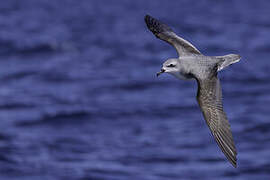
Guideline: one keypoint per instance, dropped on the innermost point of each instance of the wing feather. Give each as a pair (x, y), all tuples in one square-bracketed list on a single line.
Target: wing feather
[(165, 33), (209, 98)]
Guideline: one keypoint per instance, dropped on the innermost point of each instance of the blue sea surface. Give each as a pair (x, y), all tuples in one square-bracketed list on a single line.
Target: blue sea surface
[(79, 98)]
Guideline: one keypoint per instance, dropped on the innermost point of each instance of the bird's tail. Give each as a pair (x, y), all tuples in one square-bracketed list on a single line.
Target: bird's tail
[(227, 60)]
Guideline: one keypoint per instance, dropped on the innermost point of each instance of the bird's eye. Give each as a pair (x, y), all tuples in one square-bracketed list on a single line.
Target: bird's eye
[(171, 65)]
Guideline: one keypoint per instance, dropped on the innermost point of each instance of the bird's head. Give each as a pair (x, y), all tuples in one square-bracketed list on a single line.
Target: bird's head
[(170, 66)]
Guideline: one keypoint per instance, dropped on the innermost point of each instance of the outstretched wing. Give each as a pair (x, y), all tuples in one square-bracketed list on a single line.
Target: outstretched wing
[(164, 32), (209, 98)]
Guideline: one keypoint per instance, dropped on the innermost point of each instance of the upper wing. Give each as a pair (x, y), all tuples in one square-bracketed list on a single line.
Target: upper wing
[(164, 32), (210, 100)]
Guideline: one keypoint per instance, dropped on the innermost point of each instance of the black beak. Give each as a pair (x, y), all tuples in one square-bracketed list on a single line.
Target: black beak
[(161, 71)]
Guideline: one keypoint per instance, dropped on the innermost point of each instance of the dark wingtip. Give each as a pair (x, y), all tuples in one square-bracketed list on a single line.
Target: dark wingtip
[(150, 23), (147, 16), (155, 25), (234, 163), (148, 19)]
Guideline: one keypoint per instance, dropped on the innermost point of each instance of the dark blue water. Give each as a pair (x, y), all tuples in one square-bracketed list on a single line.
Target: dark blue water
[(79, 98)]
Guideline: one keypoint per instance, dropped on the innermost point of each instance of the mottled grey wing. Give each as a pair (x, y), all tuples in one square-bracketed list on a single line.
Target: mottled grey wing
[(210, 100), (164, 32)]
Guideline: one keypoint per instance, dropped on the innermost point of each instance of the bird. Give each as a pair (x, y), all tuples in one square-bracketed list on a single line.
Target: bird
[(192, 64)]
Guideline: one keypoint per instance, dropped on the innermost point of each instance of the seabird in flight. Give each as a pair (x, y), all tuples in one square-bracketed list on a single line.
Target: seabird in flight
[(192, 64)]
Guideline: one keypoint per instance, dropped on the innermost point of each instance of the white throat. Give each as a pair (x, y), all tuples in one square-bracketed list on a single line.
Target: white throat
[(179, 75)]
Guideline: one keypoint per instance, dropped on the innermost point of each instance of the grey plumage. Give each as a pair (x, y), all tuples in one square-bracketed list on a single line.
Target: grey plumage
[(209, 97), (191, 64), (164, 32)]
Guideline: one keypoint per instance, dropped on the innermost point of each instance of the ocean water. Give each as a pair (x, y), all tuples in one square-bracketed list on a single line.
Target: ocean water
[(79, 98)]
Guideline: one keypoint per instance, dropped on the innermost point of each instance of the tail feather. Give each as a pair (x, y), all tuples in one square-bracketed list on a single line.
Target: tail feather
[(227, 60)]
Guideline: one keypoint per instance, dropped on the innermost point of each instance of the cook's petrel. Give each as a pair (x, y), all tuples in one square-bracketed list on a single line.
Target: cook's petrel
[(191, 64)]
